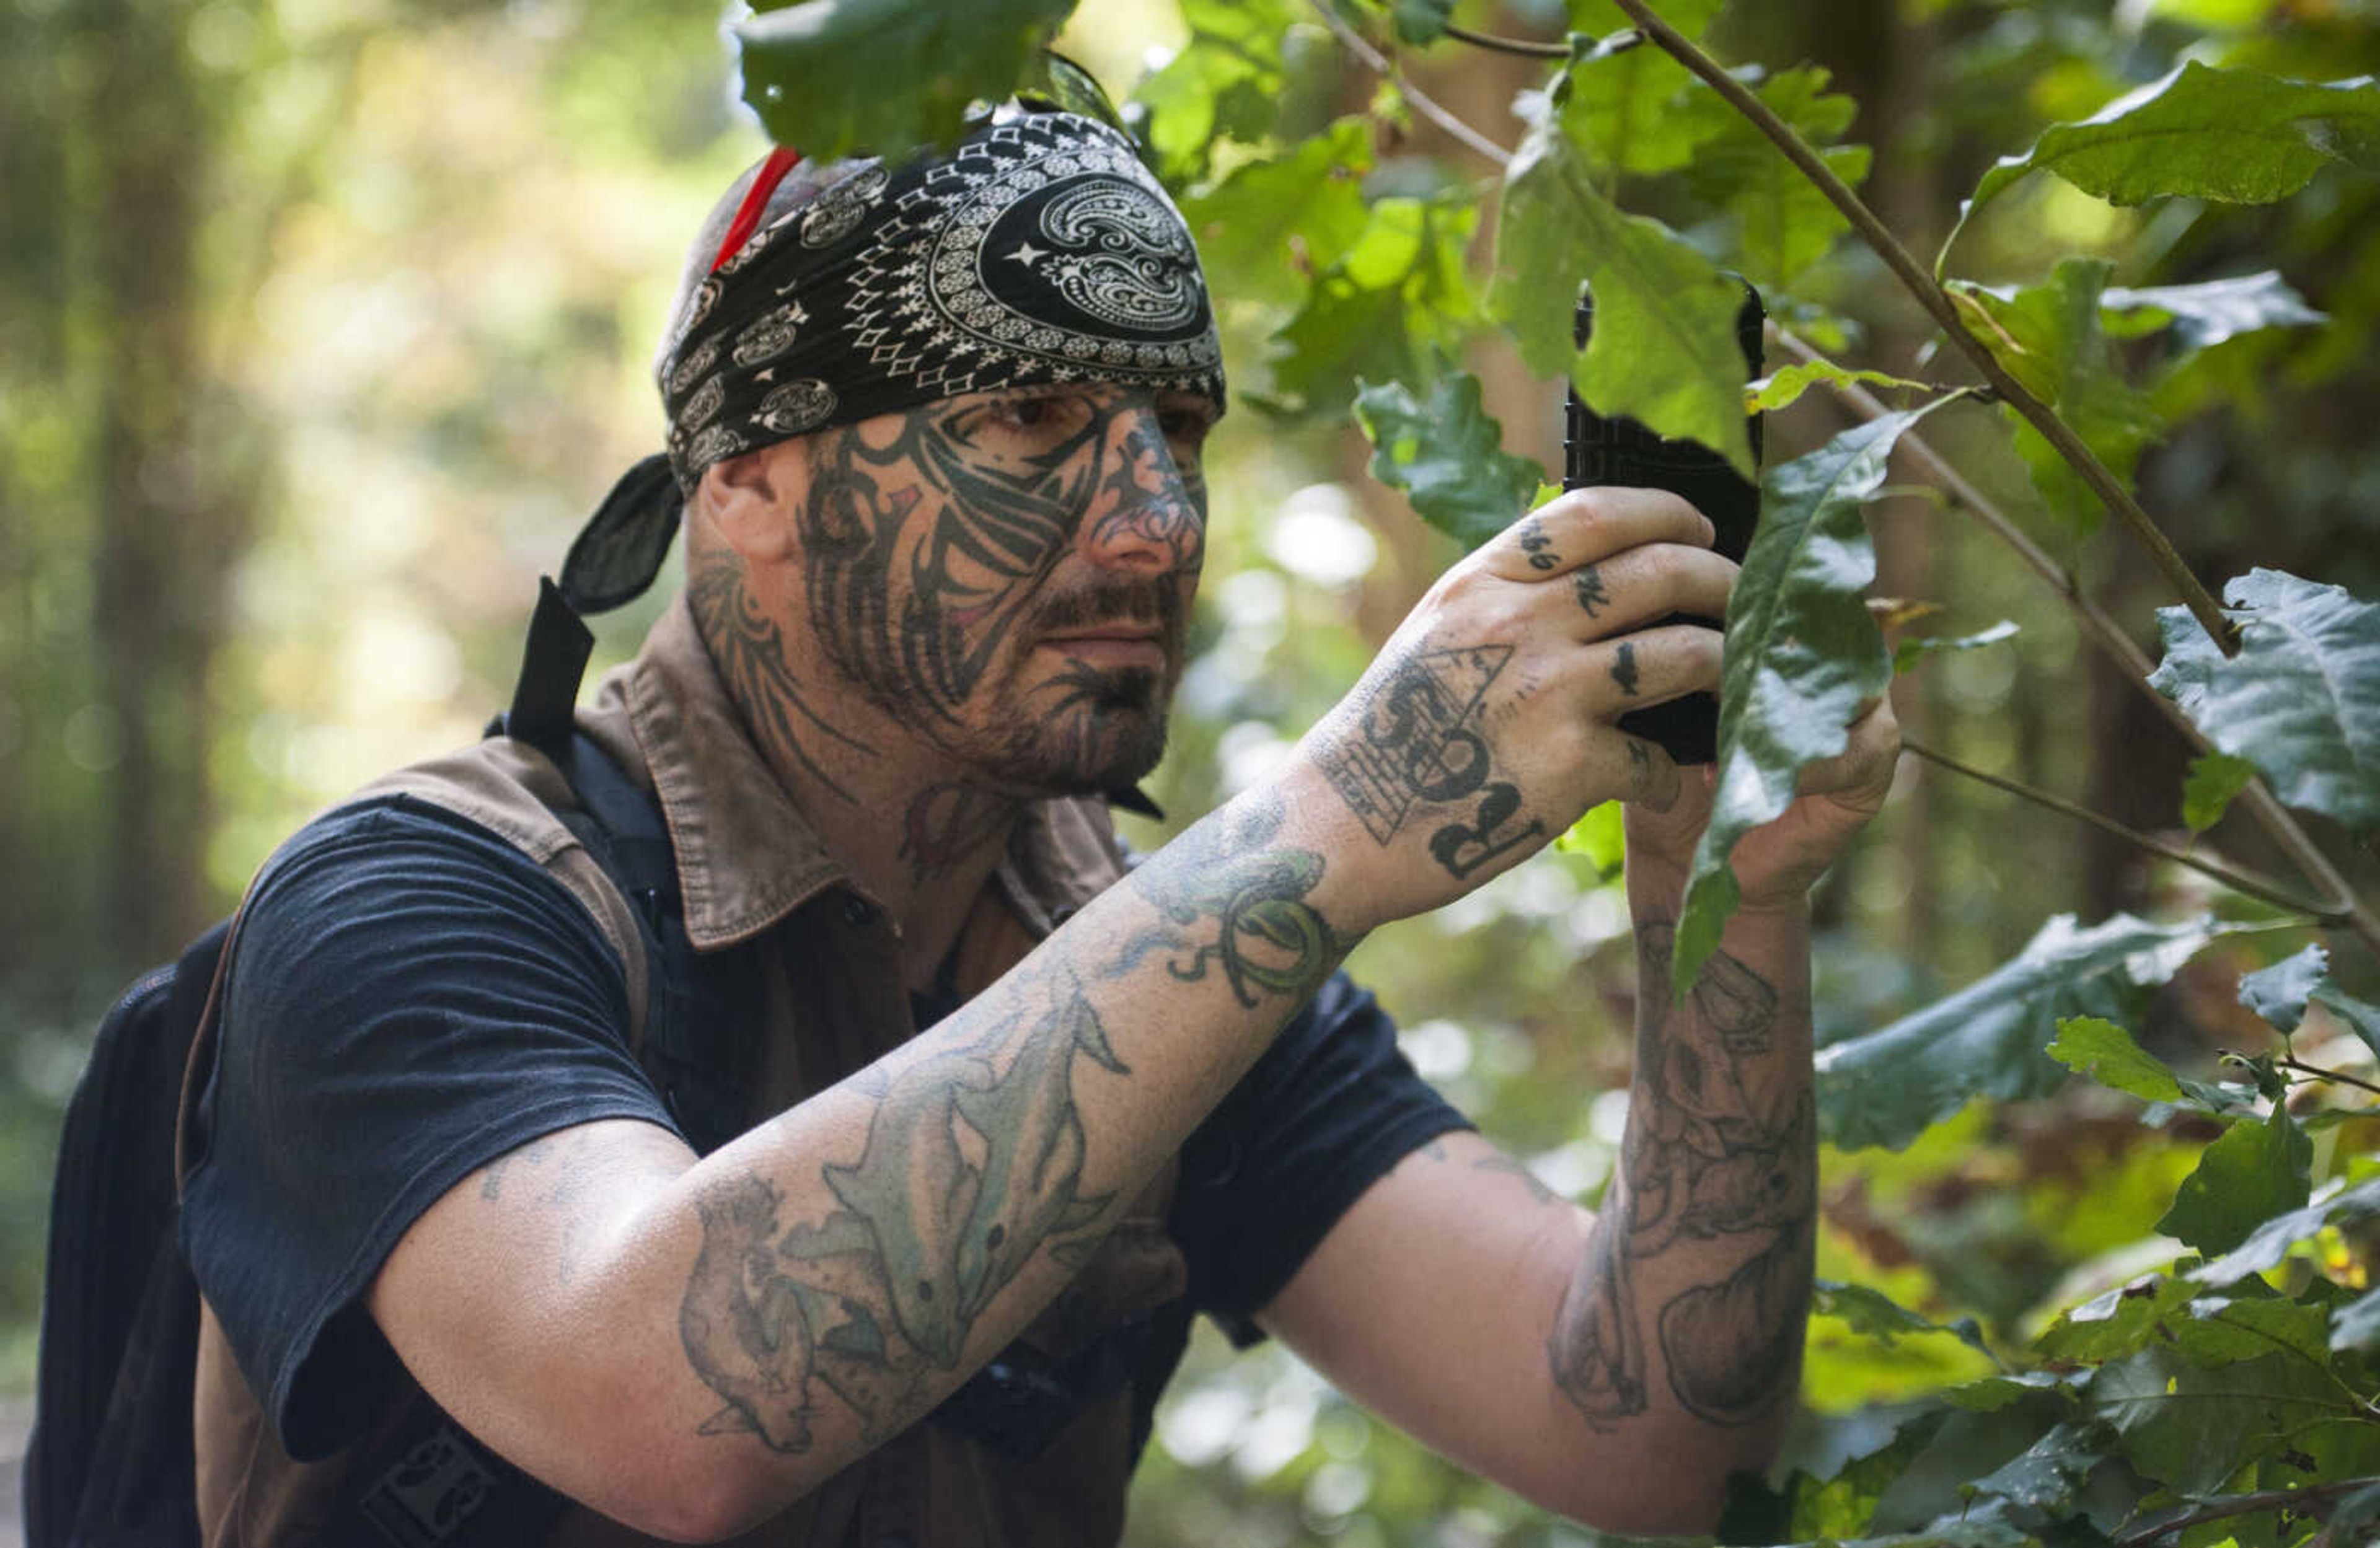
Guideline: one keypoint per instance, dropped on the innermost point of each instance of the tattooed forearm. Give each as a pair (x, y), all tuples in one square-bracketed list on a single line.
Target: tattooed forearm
[(1712, 1155), (748, 648), (972, 1165), (1415, 742), (1233, 896)]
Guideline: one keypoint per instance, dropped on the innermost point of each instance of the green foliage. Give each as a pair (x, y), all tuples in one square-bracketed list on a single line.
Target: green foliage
[(1889, 1085), (1664, 350), (1803, 655), (1908, 652), (817, 72), (2239, 136), (2255, 1171), (2215, 779), (2208, 313), (2301, 700), (1225, 83), (1600, 836), (1446, 456), (2098, 1047), (1387, 308), (2049, 337), (1783, 389), (2278, 993), (1277, 220), (1783, 223)]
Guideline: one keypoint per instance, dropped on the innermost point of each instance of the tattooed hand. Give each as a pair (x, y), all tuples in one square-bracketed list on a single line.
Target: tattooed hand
[(1777, 863), (1487, 724)]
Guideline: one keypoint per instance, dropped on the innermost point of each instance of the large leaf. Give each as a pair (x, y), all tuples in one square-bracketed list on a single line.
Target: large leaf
[(1664, 349), (2206, 314), (1448, 456), (1783, 223), (1636, 110), (2237, 135), (2301, 700), (1225, 83), (2190, 1427), (2271, 1242), (2049, 337), (2278, 993), (1385, 310), (834, 77), (1803, 655), (2251, 1173), (2099, 1049), (1986, 1040), (1272, 223), (2360, 1018)]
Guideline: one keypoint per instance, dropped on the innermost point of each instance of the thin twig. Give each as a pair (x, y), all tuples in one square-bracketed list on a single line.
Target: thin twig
[(2243, 1504), (1361, 47), (2319, 1073), (1524, 47), (2257, 798), (1939, 304), (2238, 881)]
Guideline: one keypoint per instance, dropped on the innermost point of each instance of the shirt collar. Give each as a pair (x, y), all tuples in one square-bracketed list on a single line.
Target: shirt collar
[(747, 855)]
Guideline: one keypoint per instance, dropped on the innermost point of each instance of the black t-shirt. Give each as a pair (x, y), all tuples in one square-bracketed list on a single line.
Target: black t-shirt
[(413, 998)]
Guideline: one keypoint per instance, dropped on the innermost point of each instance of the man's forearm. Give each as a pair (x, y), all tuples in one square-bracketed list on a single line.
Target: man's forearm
[(1689, 1304), (857, 1258)]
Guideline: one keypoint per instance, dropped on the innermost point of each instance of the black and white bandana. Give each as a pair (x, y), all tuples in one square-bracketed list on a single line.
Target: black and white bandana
[(1041, 250)]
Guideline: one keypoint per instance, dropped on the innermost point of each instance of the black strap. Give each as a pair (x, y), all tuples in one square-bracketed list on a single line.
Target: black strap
[(552, 664)]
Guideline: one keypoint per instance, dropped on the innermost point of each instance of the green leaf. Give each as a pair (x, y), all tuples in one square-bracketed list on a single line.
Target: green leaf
[(2278, 993), (1878, 1315), (2271, 1242), (1271, 224), (2099, 1049), (2215, 779), (2301, 700), (1600, 836), (2240, 136), (2362, 1019), (2221, 1332), (2116, 1323), (1420, 21), (1801, 655), (1887, 1086), (835, 77), (2357, 1324), (2047, 1474), (1783, 389), (1385, 310), (2049, 337), (1448, 456), (1664, 349), (2208, 313), (1783, 223), (1908, 652), (2251, 1173), (2191, 1429), (1637, 110), (1226, 82)]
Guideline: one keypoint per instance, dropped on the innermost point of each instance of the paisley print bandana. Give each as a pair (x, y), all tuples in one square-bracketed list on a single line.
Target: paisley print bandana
[(1041, 250)]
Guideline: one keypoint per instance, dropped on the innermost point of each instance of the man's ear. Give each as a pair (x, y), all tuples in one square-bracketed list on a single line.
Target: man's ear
[(752, 499)]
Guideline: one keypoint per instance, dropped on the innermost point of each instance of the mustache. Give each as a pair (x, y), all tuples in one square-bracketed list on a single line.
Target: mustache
[(1114, 600)]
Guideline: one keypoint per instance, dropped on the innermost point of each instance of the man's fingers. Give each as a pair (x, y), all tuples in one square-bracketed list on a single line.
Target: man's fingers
[(1587, 526), (1651, 665), (1630, 590), (1866, 760)]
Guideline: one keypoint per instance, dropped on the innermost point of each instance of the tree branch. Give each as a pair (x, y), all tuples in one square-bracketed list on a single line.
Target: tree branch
[(1361, 47), (2242, 1505), (1939, 304), (2258, 799), (2238, 881), (1524, 47), (2317, 1071)]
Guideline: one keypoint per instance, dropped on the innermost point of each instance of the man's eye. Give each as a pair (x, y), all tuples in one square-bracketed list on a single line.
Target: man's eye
[(1185, 427), (1034, 414)]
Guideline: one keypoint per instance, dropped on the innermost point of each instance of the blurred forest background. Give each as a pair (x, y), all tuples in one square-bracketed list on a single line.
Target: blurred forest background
[(323, 322)]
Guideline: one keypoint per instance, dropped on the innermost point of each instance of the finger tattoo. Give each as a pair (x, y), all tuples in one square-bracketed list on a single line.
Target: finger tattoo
[(1623, 671), (1591, 595)]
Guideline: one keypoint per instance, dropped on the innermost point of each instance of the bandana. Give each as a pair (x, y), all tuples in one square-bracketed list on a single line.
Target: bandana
[(1040, 251)]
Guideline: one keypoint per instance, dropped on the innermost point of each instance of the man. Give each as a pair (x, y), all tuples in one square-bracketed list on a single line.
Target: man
[(936, 434)]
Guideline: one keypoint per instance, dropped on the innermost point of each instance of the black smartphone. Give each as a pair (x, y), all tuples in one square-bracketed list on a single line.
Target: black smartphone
[(1601, 451)]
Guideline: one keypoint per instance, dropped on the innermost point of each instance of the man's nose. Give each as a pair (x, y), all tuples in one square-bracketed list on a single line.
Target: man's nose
[(1144, 514)]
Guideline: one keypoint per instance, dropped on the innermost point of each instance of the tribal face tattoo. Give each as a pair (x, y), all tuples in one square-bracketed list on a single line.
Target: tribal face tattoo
[(1010, 573)]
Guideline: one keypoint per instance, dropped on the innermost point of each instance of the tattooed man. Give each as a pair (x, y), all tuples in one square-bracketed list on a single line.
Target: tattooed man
[(482, 1260)]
